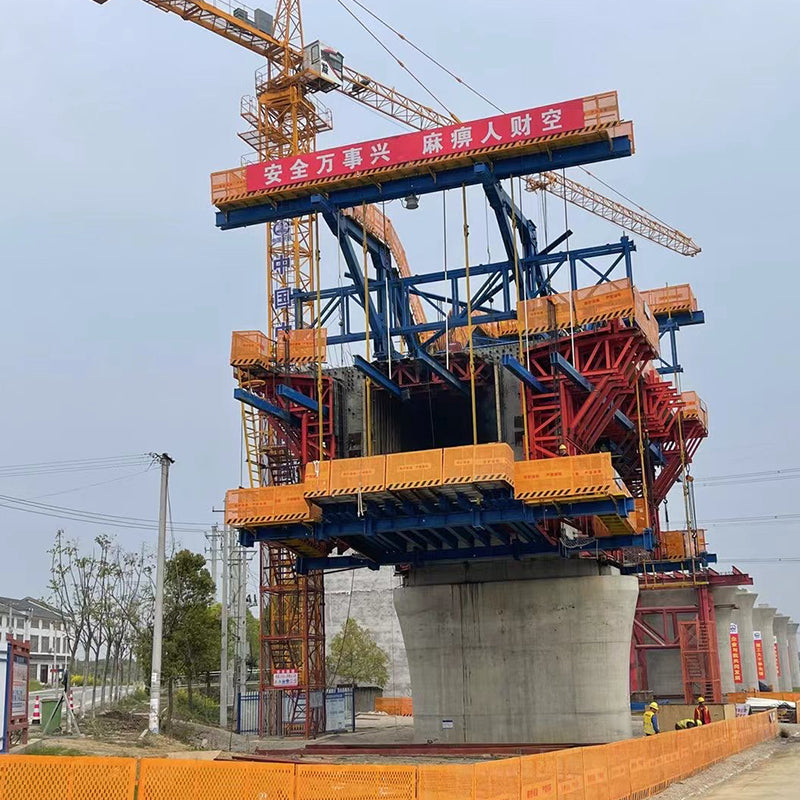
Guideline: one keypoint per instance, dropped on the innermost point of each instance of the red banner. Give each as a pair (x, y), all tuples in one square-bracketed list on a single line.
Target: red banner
[(736, 655), (777, 657), (759, 647), (461, 138)]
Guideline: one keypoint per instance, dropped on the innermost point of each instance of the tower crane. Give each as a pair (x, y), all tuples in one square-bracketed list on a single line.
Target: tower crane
[(284, 118)]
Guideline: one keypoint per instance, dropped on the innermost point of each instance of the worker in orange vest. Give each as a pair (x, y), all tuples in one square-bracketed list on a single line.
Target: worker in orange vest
[(701, 713)]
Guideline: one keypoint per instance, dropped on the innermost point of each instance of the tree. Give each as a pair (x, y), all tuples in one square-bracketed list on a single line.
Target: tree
[(355, 657), (191, 635)]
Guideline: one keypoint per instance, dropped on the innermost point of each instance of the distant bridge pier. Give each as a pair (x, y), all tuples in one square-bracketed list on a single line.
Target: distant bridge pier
[(519, 651)]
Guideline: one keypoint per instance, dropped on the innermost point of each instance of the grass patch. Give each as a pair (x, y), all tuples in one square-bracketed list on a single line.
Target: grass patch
[(46, 749)]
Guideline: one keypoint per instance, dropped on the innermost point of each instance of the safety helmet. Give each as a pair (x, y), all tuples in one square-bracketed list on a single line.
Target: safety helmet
[(562, 449), (654, 706), (701, 699)]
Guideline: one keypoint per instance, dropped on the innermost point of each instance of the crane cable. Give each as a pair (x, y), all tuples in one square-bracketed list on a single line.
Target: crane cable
[(400, 63), (471, 89), (469, 317)]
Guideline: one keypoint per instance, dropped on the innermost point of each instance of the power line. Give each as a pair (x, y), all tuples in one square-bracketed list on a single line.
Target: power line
[(73, 465), (91, 485), (764, 476), (742, 520)]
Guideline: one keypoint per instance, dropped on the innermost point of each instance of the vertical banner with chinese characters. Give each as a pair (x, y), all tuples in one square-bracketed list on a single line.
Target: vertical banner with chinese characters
[(777, 658), (451, 140), (736, 655), (759, 648)]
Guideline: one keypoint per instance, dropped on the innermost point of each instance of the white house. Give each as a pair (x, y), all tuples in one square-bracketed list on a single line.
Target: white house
[(40, 624)]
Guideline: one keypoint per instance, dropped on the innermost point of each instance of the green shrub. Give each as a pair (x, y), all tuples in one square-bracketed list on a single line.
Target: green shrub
[(204, 709)]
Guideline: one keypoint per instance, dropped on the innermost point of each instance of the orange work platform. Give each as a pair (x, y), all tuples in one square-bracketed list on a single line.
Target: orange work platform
[(269, 505), (671, 299), (592, 305), (680, 545), (567, 478), (695, 409), (229, 187), (301, 346)]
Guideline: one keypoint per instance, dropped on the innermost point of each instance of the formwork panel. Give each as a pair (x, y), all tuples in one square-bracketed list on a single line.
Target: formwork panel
[(479, 464), (414, 470), (358, 475)]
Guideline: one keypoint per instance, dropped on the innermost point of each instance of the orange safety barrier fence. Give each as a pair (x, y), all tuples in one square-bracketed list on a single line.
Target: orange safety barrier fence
[(634, 769), (394, 706), (64, 778), (741, 697)]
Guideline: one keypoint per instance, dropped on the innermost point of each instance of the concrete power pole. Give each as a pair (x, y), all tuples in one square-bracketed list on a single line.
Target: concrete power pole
[(158, 611), (223, 664)]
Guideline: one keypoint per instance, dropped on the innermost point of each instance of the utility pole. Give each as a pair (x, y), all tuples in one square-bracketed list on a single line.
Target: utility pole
[(158, 611), (223, 665), (242, 619)]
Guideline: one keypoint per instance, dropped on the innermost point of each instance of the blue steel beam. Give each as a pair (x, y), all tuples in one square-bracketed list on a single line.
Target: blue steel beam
[(265, 406), (425, 183), (519, 372), (477, 519), (376, 376), (512, 549), (434, 366), (300, 399)]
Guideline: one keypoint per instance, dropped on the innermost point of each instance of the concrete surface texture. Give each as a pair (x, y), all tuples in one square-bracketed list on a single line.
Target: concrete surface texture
[(664, 672), (772, 779), (762, 621), (519, 651), (792, 654), (724, 605), (779, 624), (743, 617), (372, 607)]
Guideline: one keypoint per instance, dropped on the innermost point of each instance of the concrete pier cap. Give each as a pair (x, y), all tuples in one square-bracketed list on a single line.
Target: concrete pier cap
[(535, 650), (763, 616), (724, 607), (779, 624), (743, 617), (792, 654)]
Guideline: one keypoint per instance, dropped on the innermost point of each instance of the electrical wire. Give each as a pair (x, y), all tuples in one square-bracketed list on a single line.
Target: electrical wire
[(742, 520), (94, 517), (73, 465), (765, 476), (91, 485)]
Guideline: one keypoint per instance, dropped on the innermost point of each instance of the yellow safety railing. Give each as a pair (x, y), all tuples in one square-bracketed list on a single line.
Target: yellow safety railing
[(629, 770)]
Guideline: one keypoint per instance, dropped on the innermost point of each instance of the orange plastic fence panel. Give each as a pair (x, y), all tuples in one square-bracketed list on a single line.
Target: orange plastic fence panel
[(641, 757), (395, 706), (604, 301), (619, 770), (671, 755), (595, 773), (67, 778), (667, 299), (539, 777), (356, 782), (351, 475), (228, 185), (569, 765), (445, 781), (414, 470), (479, 463), (269, 505), (601, 109), (303, 345), (177, 779), (686, 758), (317, 481), (497, 780)]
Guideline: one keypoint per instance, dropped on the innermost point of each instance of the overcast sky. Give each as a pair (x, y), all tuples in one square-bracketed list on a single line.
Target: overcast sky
[(119, 294)]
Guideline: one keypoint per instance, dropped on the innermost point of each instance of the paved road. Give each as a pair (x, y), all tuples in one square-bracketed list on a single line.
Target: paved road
[(773, 779), (82, 697)]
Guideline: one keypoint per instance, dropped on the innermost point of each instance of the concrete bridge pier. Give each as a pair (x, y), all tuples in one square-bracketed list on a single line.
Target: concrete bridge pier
[(794, 661), (762, 623), (743, 617), (781, 647), (724, 607), (519, 651)]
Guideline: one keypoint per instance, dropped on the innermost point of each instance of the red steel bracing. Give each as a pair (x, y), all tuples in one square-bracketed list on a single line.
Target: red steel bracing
[(611, 357), (410, 373)]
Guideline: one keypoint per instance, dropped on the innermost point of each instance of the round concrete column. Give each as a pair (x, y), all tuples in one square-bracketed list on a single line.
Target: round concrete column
[(794, 660), (519, 651), (762, 622), (724, 603), (743, 617), (781, 647)]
